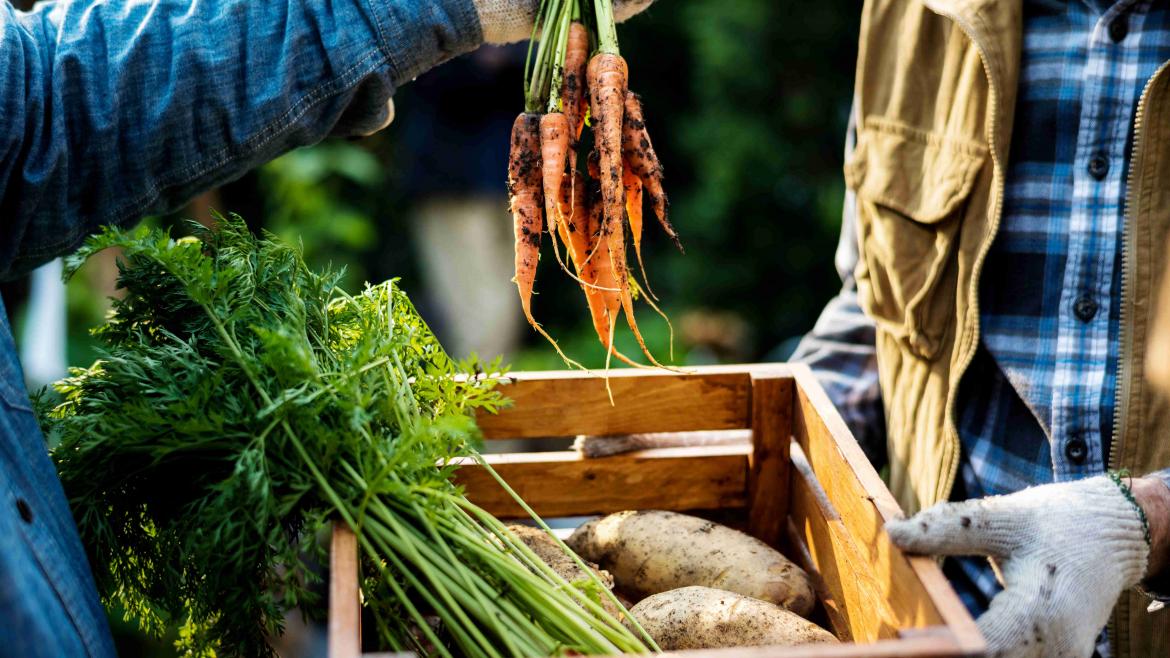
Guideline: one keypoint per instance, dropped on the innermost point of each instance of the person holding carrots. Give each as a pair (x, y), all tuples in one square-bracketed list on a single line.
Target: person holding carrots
[(110, 111), (1005, 230)]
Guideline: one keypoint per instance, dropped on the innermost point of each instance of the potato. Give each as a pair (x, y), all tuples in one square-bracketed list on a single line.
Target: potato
[(651, 551), (705, 618), (554, 556)]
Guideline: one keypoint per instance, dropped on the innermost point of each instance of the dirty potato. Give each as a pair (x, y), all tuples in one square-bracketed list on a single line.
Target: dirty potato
[(552, 555), (652, 551), (706, 618)]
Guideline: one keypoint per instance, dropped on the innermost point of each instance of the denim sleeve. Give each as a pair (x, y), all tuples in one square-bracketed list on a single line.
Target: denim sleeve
[(841, 348), (113, 110)]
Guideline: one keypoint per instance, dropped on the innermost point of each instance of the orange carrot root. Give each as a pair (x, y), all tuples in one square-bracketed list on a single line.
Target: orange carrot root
[(554, 153), (643, 160), (608, 75), (526, 199), (573, 89), (633, 188)]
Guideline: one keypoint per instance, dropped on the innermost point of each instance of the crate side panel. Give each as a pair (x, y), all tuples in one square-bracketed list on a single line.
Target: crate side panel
[(564, 484), (851, 583), (569, 406), (913, 587)]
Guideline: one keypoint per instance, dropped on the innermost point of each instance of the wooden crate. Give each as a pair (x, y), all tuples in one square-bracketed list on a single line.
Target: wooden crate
[(879, 601)]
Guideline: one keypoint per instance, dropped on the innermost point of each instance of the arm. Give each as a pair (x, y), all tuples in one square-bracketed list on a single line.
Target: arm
[(1153, 494), (115, 110), (841, 348)]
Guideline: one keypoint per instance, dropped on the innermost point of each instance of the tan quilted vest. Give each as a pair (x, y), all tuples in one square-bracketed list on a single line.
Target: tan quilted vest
[(936, 91)]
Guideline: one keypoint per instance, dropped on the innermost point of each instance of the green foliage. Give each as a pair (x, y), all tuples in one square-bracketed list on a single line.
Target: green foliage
[(240, 402), (310, 200)]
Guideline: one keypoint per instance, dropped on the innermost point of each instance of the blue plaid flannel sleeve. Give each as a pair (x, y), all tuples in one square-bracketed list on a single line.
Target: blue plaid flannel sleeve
[(110, 111), (841, 350)]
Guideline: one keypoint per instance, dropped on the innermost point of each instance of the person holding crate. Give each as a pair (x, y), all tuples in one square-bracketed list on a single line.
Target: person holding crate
[(110, 111), (996, 336)]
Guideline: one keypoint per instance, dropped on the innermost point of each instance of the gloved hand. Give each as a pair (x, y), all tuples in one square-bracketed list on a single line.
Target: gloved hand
[(506, 21), (1064, 553)]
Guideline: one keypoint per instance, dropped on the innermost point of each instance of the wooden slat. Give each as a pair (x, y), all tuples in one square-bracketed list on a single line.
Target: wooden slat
[(912, 590), (564, 484), (769, 464), (345, 627), (569, 404)]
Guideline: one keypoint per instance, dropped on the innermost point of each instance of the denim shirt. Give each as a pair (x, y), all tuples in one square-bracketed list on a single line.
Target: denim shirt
[(113, 110)]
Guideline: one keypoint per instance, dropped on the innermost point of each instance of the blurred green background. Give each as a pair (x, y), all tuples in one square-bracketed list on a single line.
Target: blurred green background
[(746, 101)]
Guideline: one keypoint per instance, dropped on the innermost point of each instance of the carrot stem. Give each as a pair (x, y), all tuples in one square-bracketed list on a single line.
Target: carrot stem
[(607, 41)]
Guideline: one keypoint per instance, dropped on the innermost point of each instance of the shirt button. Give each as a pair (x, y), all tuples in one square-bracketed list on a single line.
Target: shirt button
[(1076, 450), (1119, 28), (1098, 166), (1085, 308), (24, 510)]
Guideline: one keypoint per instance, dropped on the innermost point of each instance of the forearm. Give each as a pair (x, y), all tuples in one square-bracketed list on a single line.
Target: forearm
[(1153, 495), (116, 110)]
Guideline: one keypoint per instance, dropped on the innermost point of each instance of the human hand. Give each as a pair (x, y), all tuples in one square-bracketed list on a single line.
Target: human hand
[(506, 21), (1064, 553)]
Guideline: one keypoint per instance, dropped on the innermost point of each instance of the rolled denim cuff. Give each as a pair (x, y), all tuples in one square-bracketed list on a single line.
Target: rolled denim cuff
[(417, 36)]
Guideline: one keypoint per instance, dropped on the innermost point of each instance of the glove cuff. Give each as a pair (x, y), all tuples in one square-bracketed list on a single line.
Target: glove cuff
[(1126, 521), (506, 21)]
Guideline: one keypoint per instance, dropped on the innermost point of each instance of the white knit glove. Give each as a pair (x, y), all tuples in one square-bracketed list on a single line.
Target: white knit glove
[(506, 21), (1064, 553)]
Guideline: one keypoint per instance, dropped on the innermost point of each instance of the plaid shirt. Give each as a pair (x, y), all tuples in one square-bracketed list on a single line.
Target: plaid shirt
[(1037, 402)]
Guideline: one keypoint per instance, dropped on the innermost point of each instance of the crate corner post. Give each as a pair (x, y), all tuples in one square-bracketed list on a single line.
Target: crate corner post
[(769, 463), (345, 630)]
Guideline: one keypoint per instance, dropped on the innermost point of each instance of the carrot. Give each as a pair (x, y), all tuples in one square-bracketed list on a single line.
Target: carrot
[(554, 153), (643, 161), (601, 289), (633, 187), (608, 75), (573, 89), (526, 198), (603, 295), (576, 226)]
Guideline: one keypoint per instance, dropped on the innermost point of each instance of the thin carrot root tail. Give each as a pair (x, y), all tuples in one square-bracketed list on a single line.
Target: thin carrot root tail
[(630, 362), (669, 325), (539, 329), (609, 352)]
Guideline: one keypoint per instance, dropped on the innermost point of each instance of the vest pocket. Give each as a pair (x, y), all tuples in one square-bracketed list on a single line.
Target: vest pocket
[(911, 186)]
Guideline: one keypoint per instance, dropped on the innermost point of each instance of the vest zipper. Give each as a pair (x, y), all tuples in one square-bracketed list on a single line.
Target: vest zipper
[(952, 432), (1124, 374), (1125, 355)]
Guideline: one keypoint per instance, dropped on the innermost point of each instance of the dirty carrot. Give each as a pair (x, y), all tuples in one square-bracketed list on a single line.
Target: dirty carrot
[(608, 75), (576, 225), (526, 199), (643, 160), (554, 153), (633, 189), (573, 89)]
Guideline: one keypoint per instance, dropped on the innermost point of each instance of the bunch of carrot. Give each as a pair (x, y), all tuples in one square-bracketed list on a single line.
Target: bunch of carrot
[(588, 212)]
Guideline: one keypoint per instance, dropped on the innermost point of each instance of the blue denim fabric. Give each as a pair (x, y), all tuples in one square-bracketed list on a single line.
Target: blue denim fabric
[(113, 110), (48, 604)]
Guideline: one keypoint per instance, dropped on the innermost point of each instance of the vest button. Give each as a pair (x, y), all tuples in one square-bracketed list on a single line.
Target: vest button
[(1098, 166), (1085, 308), (1119, 28), (1076, 450), (24, 510)]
